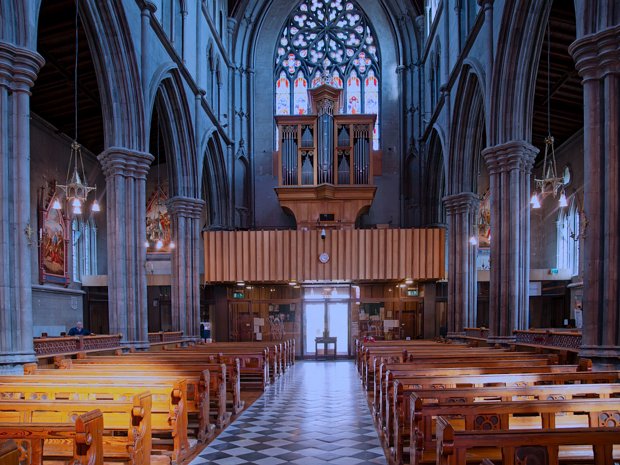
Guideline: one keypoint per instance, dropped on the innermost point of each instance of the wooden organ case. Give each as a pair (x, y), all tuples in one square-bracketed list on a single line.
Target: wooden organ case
[(325, 163)]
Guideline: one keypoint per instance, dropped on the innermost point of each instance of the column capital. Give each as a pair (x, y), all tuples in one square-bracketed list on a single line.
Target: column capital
[(18, 66), (485, 3), (597, 54), (511, 155), (464, 202), (187, 207), (119, 161)]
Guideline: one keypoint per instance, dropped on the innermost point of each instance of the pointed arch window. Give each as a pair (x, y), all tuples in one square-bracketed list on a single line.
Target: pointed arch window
[(568, 239), (333, 38), (83, 248)]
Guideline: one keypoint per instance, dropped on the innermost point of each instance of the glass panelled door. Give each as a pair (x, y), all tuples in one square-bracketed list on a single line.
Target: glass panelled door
[(338, 324), (326, 311), (314, 323)]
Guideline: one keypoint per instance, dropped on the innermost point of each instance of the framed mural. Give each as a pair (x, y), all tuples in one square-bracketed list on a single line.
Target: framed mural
[(53, 241), (158, 224)]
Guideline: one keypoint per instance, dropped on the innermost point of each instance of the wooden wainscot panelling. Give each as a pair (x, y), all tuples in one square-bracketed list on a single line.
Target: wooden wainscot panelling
[(352, 255)]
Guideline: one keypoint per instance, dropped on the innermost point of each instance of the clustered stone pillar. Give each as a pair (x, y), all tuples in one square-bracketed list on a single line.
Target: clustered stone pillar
[(125, 171), (597, 58), (461, 210), (509, 166), (18, 70), (185, 214)]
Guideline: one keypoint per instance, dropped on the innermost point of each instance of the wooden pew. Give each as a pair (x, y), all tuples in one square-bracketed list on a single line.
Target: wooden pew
[(169, 400), (519, 446), (383, 383), (403, 412), (225, 377), (130, 417), (203, 388), (422, 380), (547, 414), (9, 453), (86, 434), (438, 367), (254, 363)]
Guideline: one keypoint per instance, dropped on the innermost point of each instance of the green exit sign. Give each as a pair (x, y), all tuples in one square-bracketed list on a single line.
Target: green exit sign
[(238, 295), (412, 292)]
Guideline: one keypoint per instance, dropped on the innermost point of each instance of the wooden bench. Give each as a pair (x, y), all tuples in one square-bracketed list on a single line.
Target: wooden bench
[(254, 364), (459, 366), (522, 446), (547, 414), (403, 412), (86, 433), (9, 452), (169, 417), (225, 377), (130, 417), (438, 365), (421, 381)]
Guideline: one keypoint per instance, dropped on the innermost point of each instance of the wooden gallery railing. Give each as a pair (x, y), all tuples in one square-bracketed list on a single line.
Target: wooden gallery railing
[(66, 345), (284, 256)]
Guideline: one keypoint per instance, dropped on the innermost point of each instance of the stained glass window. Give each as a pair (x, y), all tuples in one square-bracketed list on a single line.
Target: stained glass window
[(331, 38), (283, 95), (301, 95)]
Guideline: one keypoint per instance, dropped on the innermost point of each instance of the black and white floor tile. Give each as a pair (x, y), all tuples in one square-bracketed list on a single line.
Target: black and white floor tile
[(315, 414)]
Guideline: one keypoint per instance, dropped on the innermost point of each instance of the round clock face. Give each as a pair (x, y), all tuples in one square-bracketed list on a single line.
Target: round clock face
[(324, 257)]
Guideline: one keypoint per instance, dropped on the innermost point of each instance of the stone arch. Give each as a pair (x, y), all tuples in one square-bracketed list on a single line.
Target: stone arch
[(214, 184), (435, 180), (242, 185), (468, 129), (514, 71), (170, 102)]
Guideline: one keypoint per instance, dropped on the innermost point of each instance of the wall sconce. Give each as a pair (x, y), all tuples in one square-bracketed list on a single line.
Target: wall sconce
[(323, 233)]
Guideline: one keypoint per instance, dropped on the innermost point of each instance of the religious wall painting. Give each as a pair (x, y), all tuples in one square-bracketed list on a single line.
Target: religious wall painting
[(53, 240), (158, 224), (484, 221), (483, 224)]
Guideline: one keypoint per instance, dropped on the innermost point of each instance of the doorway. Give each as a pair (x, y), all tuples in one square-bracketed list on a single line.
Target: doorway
[(326, 312)]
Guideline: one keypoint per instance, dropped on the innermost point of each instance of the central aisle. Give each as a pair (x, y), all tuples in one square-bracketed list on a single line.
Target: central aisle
[(315, 414)]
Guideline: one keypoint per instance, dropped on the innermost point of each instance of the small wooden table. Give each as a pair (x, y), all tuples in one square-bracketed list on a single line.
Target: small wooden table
[(325, 341)]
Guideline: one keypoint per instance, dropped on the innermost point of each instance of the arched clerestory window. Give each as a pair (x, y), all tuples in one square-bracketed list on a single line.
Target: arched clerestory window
[(83, 248), (333, 39), (568, 239)]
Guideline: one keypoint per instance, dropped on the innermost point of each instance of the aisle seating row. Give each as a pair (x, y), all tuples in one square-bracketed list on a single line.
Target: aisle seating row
[(152, 405), (431, 401)]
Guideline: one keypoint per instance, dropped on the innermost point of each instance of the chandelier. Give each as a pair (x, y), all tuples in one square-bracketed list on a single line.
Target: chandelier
[(551, 183), (76, 188)]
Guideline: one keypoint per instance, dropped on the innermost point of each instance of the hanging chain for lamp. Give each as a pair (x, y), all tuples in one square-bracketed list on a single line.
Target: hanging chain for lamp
[(76, 188), (550, 183)]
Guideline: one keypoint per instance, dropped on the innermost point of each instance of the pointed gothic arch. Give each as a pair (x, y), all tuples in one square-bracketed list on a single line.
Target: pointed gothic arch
[(170, 102), (514, 71), (468, 132), (214, 184)]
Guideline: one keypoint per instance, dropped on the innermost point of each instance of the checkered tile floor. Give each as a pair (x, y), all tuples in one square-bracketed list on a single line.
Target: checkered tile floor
[(315, 414)]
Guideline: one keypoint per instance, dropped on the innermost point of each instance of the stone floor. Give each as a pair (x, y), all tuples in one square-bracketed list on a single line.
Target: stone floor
[(316, 414)]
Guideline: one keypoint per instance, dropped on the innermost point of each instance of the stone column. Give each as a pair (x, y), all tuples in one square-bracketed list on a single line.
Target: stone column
[(125, 171), (509, 166), (18, 70), (461, 210), (597, 58), (185, 213)]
